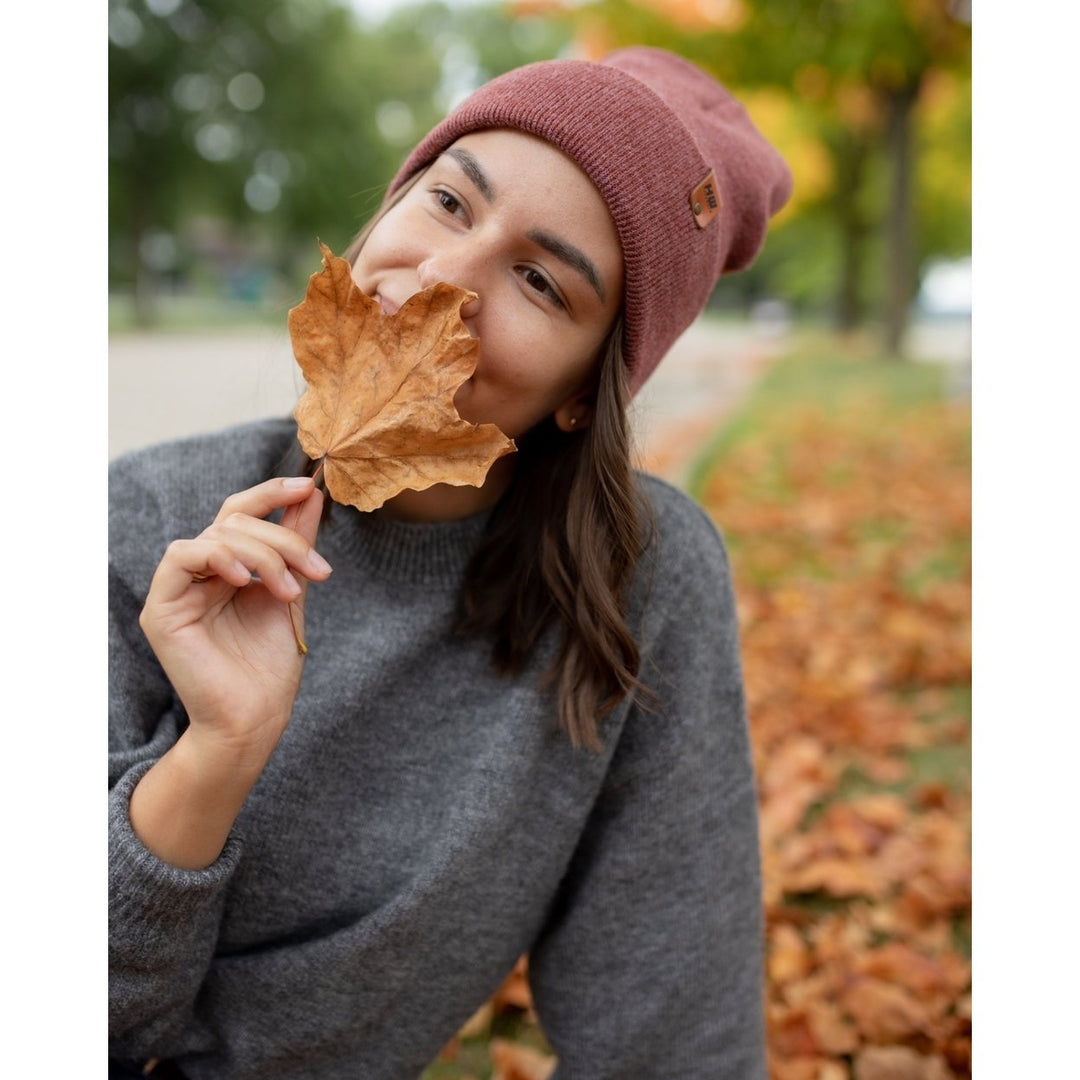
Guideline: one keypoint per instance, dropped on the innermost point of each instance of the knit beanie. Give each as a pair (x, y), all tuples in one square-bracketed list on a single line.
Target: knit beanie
[(688, 179)]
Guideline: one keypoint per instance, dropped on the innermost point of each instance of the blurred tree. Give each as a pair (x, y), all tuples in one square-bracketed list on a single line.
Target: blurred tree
[(283, 118), (859, 76), (256, 111), (865, 66)]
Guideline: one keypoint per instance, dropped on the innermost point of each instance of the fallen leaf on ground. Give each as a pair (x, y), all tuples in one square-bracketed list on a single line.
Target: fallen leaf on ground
[(379, 405), (836, 877), (884, 1013), (479, 1022), (797, 1068), (789, 958), (514, 991), (899, 1063), (513, 1061)]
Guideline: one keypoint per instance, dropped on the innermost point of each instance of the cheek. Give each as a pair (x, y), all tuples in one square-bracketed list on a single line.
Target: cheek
[(516, 347), (544, 371)]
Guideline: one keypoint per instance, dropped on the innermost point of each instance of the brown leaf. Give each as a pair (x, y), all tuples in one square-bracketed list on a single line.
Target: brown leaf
[(479, 1023), (513, 1061), (797, 1068), (514, 991), (837, 877), (884, 1013), (789, 958), (883, 810), (957, 1052), (833, 1070), (813, 1029), (901, 965), (899, 859), (850, 833), (833, 1034), (898, 1063), (379, 405), (790, 1034)]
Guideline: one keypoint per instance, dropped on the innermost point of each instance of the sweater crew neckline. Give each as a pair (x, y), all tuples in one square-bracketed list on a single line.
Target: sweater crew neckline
[(407, 552)]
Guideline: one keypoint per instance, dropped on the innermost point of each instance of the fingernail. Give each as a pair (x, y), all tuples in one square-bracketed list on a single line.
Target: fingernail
[(317, 562), (290, 582), (295, 482)]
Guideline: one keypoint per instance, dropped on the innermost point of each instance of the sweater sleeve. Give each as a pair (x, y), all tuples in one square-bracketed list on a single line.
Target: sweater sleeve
[(650, 962), (163, 921)]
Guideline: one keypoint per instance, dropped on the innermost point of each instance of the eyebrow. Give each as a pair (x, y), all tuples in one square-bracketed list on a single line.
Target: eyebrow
[(471, 168), (570, 255)]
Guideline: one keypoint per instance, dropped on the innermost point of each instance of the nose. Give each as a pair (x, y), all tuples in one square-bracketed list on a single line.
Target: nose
[(456, 265)]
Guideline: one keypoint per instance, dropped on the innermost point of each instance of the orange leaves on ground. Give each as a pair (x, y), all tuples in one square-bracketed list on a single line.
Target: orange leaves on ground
[(850, 543), (379, 405), (508, 1010)]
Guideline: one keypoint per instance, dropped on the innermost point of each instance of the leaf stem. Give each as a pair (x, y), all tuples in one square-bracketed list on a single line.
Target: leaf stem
[(301, 645)]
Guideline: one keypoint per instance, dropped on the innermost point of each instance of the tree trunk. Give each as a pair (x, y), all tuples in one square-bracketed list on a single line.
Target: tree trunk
[(899, 221), (849, 155)]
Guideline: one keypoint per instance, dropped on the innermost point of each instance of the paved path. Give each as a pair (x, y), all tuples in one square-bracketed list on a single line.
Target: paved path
[(703, 378), (164, 385)]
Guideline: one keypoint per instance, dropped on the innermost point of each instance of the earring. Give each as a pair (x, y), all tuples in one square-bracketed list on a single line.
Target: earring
[(573, 421)]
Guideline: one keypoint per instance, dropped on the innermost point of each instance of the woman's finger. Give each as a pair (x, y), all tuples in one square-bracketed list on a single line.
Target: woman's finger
[(186, 561), (266, 497), (263, 560), (304, 518), (293, 548)]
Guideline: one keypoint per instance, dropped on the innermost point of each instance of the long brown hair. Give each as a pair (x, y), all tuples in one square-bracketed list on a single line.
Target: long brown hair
[(560, 550)]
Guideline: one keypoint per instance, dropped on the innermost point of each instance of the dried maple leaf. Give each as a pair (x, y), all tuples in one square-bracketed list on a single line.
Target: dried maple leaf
[(379, 405)]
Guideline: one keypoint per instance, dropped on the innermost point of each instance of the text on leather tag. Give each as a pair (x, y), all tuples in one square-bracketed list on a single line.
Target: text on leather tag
[(705, 201)]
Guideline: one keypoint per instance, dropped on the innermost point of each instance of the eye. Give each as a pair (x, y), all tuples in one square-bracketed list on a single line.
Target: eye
[(450, 203), (537, 282)]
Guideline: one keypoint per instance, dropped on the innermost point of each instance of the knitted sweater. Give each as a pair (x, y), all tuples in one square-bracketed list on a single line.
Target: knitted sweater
[(423, 822)]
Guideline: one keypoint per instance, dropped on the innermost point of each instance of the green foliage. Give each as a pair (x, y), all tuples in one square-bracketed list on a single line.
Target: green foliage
[(205, 182), (240, 131), (843, 69)]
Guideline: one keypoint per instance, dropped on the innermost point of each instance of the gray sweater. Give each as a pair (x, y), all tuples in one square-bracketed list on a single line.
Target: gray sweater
[(423, 822)]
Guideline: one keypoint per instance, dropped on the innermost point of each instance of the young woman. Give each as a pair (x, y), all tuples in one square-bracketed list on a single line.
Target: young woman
[(520, 724)]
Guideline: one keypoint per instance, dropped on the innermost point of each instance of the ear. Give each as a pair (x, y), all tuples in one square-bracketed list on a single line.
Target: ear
[(576, 412)]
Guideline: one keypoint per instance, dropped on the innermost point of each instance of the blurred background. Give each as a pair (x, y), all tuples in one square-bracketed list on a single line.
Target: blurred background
[(241, 131), (819, 410)]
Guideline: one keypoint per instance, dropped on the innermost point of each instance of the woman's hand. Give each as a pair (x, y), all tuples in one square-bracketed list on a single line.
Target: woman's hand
[(220, 617), (221, 611)]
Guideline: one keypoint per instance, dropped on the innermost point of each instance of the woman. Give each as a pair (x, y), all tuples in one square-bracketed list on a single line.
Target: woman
[(520, 725)]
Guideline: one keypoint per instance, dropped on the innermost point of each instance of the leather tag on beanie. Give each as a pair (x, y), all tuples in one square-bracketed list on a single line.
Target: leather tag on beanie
[(705, 201)]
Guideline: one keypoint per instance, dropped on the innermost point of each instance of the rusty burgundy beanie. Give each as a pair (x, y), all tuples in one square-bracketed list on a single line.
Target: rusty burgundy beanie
[(689, 180)]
